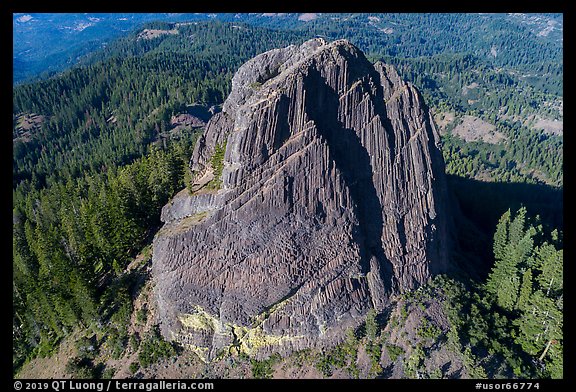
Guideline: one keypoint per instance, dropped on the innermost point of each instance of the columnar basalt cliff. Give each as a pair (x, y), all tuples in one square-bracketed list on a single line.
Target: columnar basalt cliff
[(331, 198)]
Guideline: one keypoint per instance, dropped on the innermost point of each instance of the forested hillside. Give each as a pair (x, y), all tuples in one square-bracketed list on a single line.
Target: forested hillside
[(493, 79), (91, 176), (98, 152)]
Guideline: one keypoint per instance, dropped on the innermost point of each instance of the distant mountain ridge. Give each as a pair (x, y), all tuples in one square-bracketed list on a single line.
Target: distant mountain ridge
[(45, 43), (51, 42)]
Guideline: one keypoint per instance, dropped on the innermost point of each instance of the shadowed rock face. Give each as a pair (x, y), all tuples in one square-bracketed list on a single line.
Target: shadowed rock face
[(332, 198)]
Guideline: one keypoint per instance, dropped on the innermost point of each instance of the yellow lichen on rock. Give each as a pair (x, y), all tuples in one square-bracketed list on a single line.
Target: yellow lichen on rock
[(201, 352), (256, 339), (200, 319), (245, 340)]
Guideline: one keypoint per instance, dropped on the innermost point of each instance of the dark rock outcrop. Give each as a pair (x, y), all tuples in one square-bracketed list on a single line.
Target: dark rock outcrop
[(332, 198)]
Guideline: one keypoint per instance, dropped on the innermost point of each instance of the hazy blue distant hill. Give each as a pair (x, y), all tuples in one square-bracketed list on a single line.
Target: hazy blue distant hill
[(51, 42)]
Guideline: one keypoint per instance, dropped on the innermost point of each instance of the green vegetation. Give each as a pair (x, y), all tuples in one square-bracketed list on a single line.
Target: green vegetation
[(108, 373), (527, 152), (88, 186), (374, 351), (502, 40), (154, 348), (263, 369), (134, 367), (141, 316), (85, 348), (134, 342), (350, 351), (373, 345), (255, 85), (301, 358), (324, 365), (427, 330), (526, 285), (343, 356), (501, 99), (336, 358), (394, 351), (512, 324), (523, 79), (372, 327), (466, 83), (69, 238), (96, 121), (414, 363), (403, 313), (217, 164), (80, 368)]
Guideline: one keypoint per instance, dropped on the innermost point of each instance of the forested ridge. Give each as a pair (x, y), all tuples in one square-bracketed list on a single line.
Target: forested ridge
[(91, 175), (98, 115), (90, 181)]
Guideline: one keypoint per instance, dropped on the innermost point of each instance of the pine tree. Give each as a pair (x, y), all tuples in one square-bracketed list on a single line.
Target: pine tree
[(538, 324), (525, 290), (516, 228), (501, 236), (513, 245), (371, 325), (549, 264)]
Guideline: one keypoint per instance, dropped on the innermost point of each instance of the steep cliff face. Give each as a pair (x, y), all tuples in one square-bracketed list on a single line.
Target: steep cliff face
[(332, 197)]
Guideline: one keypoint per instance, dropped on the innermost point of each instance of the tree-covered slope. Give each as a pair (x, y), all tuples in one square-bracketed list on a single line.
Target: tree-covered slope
[(92, 173)]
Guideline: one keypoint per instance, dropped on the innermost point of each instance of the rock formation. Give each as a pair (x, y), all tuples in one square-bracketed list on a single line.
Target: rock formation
[(329, 198)]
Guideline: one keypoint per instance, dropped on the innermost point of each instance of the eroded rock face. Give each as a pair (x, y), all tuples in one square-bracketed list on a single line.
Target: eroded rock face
[(332, 198)]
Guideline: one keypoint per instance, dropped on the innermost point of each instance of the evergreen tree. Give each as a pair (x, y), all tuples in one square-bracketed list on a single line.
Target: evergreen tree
[(501, 236), (371, 325), (513, 244), (525, 290), (535, 307)]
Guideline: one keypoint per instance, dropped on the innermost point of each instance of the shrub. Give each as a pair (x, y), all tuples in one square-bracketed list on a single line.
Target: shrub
[(415, 361), (404, 312), (374, 351), (371, 325), (155, 348), (134, 342), (108, 373), (263, 369), (80, 368), (394, 351), (141, 316), (427, 330), (217, 163), (323, 365), (302, 357), (117, 342), (134, 367), (86, 348)]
